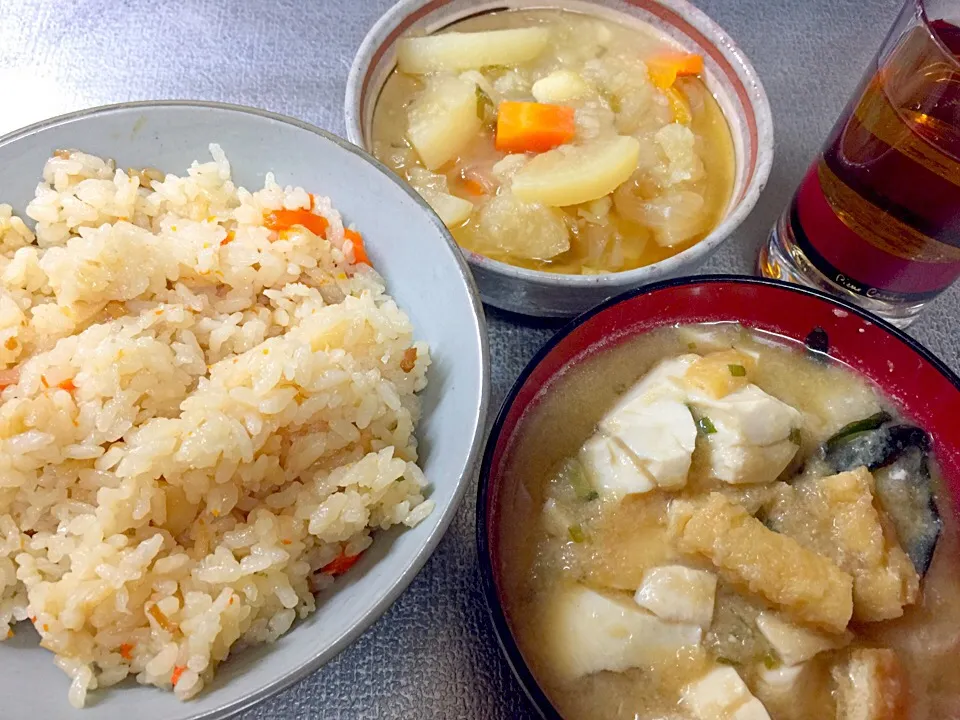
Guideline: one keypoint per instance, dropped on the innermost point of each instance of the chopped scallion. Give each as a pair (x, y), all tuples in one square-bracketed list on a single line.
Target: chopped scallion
[(484, 104), (737, 370), (577, 477), (592, 495), (706, 425), (795, 437), (576, 533), (770, 661)]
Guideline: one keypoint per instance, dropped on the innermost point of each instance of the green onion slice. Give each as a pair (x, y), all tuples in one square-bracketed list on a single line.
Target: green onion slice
[(706, 425)]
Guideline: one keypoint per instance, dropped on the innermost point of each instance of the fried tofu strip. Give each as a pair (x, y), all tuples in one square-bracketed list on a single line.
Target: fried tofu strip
[(870, 686), (808, 586), (838, 516)]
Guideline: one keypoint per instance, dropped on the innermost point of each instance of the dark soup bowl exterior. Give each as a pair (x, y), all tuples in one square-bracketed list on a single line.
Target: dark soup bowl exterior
[(922, 385)]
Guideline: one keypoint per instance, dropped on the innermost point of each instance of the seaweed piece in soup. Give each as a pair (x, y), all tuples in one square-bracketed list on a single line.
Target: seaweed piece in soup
[(818, 342), (871, 443), (847, 437), (899, 457), (905, 488)]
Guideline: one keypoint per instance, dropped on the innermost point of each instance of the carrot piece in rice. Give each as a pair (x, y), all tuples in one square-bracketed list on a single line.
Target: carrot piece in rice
[(409, 359), (280, 220), (340, 564), (359, 252), (178, 670)]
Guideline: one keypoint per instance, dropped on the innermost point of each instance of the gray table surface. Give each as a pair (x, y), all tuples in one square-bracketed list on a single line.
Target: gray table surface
[(433, 655)]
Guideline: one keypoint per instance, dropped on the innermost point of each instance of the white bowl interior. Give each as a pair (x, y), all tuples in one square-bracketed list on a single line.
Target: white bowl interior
[(399, 233)]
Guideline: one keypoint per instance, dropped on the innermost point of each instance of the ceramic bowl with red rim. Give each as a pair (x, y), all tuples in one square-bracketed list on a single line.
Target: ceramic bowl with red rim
[(728, 75), (920, 384)]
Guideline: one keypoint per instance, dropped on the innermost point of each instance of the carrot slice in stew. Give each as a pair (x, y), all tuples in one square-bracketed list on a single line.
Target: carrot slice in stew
[(472, 187), (665, 68), (533, 127)]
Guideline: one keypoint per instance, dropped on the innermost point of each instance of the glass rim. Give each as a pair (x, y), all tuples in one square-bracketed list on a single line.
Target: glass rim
[(920, 11)]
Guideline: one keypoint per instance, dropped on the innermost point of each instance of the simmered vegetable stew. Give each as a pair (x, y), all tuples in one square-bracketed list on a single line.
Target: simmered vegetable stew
[(711, 524), (558, 141)]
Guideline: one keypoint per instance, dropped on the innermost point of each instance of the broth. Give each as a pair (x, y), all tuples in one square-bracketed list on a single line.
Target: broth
[(674, 195), (609, 545)]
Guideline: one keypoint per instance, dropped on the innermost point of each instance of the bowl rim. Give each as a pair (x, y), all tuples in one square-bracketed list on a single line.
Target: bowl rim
[(505, 637), (244, 699), (759, 102)]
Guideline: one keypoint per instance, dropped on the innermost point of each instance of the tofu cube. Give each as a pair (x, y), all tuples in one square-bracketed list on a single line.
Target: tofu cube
[(777, 683), (664, 380), (752, 440), (753, 709), (659, 435), (653, 422), (587, 632), (795, 644), (722, 694), (611, 470), (678, 594)]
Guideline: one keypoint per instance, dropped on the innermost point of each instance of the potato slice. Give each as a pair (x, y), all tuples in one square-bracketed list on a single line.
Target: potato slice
[(559, 86), (573, 174), (452, 210), (443, 120), (464, 51)]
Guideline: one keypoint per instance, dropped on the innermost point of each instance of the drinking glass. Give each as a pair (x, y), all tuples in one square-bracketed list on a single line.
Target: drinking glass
[(876, 218)]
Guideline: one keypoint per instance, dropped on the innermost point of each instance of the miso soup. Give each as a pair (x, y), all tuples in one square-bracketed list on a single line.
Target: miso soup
[(711, 523)]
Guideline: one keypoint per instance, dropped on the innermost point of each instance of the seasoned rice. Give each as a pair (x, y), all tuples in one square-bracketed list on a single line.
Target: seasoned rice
[(202, 419)]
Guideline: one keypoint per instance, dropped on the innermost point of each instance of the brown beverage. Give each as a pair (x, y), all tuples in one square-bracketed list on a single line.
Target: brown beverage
[(878, 212)]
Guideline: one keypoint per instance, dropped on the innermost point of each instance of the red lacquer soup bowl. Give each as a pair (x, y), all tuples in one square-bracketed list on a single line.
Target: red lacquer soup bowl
[(922, 385)]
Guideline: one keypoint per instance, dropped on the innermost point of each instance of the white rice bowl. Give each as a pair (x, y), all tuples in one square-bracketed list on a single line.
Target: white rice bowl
[(202, 420)]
